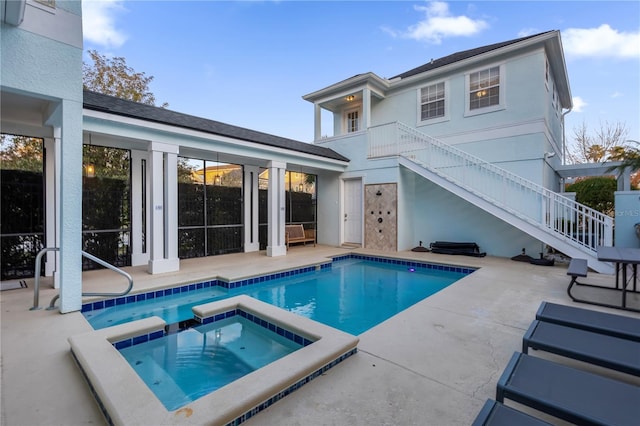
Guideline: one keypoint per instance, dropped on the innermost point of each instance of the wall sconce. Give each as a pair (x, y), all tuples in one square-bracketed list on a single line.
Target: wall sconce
[(481, 93), (90, 170), (350, 98)]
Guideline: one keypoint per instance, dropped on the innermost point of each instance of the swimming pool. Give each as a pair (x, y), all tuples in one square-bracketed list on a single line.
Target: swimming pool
[(352, 293), (315, 304)]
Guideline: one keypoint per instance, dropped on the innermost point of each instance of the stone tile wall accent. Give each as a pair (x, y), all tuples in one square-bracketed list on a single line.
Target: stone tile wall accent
[(380, 217)]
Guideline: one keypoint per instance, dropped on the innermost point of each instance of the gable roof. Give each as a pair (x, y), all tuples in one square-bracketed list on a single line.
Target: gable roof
[(459, 56), (125, 108)]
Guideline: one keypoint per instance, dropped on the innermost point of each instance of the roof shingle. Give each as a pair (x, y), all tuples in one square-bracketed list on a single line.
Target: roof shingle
[(125, 108)]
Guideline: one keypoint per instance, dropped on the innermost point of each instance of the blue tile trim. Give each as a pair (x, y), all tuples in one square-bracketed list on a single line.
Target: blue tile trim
[(135, 340), (93, 391), (409, 263), (301, 340), (277, 397), (93, 306)]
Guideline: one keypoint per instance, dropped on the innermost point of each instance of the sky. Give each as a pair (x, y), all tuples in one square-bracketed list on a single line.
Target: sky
[(248, 63)]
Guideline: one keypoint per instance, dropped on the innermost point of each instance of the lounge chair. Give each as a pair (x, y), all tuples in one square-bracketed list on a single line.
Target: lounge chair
[(599, 349), (574, 395), (496, 414), (586, 319)]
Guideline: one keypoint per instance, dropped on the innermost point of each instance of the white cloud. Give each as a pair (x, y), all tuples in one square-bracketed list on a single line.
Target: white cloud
[(99, 22), (578, 104), (616, 95), (439, 23), (603, 41)]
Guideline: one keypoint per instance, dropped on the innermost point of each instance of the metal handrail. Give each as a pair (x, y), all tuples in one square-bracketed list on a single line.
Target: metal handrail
[(583, 226), (36, 287)]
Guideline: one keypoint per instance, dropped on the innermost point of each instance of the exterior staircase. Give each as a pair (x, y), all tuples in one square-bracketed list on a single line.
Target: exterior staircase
[(570, 227)]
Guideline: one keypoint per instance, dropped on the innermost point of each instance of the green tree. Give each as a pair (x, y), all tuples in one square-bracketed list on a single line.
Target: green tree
[(596, 192), (21, 153), (112, 76)]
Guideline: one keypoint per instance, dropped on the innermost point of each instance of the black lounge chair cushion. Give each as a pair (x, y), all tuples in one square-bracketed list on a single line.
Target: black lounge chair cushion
[(599, 349), (496, 414), (466, 249), (599, 322), (574, 395)]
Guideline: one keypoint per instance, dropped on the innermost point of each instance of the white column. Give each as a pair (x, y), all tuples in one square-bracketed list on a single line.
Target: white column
[(171, 211), (68, 132), (276, 209), (317, 122), (51, 206), (163, 199), (139, 209), (251, 221), (366, 108)]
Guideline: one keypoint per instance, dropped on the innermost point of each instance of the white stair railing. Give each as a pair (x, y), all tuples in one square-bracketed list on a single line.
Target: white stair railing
[(548, 210)]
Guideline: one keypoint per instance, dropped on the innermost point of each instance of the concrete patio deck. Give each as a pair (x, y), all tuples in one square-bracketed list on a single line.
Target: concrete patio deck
[(433, 364)]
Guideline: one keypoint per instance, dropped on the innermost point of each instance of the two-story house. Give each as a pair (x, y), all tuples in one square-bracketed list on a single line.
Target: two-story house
[(462, 148)]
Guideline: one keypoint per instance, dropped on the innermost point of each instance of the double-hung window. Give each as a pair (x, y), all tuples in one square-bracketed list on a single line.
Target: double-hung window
[(432, 102), (484, 89)]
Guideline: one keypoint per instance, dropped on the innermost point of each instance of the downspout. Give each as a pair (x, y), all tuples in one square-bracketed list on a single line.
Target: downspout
[(564, 138), (564, 145)]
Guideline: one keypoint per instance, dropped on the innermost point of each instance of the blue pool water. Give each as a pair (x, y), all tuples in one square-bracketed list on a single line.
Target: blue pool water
[(352, 295), (182, 367)]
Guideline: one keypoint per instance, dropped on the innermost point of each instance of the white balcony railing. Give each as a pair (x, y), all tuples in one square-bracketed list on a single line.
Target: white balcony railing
[(547, 210)]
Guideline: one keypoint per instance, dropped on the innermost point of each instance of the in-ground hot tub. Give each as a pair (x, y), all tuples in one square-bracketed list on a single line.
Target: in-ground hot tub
[(126, 399)]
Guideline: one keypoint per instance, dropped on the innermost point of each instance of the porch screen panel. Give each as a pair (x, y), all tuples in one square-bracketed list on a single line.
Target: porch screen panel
[(22, 205), (210, 208), (224, 210), (106, 206), (301, 200)]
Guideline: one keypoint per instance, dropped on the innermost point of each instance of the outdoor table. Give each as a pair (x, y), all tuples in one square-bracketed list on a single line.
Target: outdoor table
[(622, 257)]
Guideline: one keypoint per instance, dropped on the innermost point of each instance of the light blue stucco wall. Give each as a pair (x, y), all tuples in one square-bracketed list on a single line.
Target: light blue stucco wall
[(627, 209), (42, 59), (438, 215), (515, 137)]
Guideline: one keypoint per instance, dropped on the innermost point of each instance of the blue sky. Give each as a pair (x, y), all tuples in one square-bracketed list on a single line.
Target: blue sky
[(249, 63)]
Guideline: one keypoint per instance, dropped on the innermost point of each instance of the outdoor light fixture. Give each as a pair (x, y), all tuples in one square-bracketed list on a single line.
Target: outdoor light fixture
[(217, 179), (350, 98), (90, 170)]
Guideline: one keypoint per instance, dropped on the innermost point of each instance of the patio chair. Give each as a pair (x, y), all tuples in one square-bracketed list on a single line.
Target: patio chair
[(586, 319), (494, 413), (598, 349), (574, 395)]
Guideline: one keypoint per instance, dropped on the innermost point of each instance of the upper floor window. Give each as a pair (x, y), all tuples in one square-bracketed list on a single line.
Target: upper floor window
[(432, 102), (352, 120), (484, 88)]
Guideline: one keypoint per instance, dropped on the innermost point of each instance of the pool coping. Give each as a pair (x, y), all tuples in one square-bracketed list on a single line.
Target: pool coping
[(125, 399)]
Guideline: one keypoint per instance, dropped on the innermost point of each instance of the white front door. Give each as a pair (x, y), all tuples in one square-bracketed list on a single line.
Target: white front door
[(353, 211)]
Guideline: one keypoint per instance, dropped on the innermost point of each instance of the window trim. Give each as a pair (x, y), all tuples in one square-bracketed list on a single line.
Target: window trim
[(468, 112), (447, 98)]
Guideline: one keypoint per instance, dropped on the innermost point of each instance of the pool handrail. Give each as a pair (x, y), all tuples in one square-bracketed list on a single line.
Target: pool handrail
[(36, 287)]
